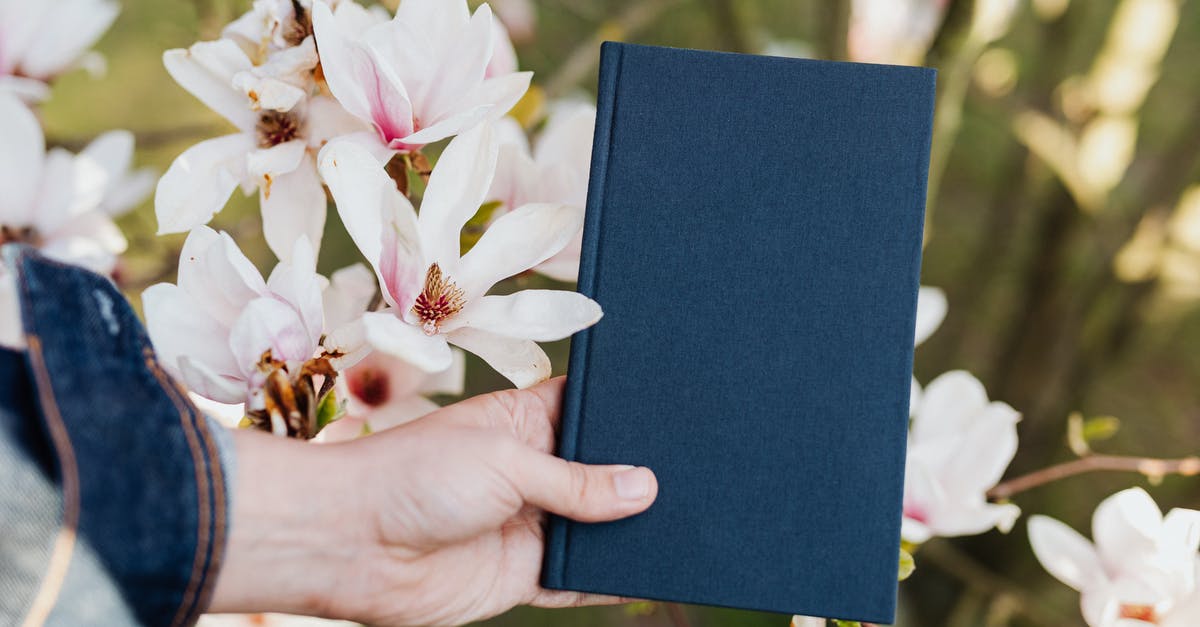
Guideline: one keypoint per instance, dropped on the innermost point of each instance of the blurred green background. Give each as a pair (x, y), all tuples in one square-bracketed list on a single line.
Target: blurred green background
[(1060, 135)]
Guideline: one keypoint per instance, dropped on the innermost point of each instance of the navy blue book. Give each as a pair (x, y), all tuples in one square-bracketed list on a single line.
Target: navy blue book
[(754, 235)]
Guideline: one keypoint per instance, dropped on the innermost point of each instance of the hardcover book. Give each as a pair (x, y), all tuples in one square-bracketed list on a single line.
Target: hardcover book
[(753, 233)]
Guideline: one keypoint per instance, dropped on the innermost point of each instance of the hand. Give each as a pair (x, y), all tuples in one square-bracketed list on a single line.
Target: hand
[(438, 521)]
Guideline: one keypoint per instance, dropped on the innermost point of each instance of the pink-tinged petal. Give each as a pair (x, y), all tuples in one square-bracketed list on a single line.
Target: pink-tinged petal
[(517, 178), (381, 379), (22, 153), (538, 315), (206, 382), (516, 242), (348, 343), (457, 188), (296, 283), (199, 182), (217, 275), (350, 291), (982, 454), (467, 54), (948, 405), (379, 218), (1064, 553), (397, 338), (179, 327), (449, 381), (567, 141), (269, 324), (207, 70), (79, 23), (1125, 527), (931, 310), (521, 361), (504, 56), (446, 127), (519, 16), (362, 83), (295, 208), (915, 531)]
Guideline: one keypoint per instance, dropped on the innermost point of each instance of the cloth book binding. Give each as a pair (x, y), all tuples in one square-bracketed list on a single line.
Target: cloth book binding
[(753, 234)]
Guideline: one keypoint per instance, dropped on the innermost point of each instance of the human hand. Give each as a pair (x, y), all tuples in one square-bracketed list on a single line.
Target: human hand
[(439, 521)]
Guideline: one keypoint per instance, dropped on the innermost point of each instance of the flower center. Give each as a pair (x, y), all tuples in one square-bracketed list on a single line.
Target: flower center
[(19, 235), (1143, 613), (276, 127), (439, 300)]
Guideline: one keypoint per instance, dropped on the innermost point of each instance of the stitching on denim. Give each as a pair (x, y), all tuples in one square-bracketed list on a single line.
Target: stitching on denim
[(64, 543), (189, 430)]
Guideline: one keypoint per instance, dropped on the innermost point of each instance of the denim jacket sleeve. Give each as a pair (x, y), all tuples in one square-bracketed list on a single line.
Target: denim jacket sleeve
[(115, 495)]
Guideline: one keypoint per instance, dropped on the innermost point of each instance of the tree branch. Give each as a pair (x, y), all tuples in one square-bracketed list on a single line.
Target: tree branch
[(677, 615), (1149, 466)]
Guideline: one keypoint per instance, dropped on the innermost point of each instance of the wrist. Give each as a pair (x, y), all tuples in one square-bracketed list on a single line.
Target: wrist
[(293, 530)]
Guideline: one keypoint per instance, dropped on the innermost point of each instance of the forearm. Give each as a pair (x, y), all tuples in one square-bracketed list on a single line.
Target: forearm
[(294, 526)]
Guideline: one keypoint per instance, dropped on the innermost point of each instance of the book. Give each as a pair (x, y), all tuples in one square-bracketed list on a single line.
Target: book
[(753, 233)]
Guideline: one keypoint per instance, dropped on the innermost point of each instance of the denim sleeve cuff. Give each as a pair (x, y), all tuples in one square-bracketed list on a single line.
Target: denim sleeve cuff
[(143, 473)]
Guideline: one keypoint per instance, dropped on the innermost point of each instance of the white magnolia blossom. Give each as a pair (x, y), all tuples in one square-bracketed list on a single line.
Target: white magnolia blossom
[(41, 39), (274, 151), (555, 171), (1142, 569), (807, 621), (422, 76), (213, 329), (893, 31), (958, 448), (437, 296), (931, 311)]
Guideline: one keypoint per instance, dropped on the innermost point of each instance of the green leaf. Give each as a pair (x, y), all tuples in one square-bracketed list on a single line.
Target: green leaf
[(328, 410), (1101, 428), (847, 623), (907, 565), (640, 608)]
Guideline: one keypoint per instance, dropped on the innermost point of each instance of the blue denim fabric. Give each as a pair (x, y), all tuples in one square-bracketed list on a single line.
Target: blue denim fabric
[(115, 495)]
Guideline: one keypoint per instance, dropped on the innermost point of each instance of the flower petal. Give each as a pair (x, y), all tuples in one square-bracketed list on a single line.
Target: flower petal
[(265, 164), (449, 381), (468, 52), (348, 295), (21, 155), (516, 242), (399, 339), (538, 315), (206, 382), (180, 328), (948, 404), (457, 188), (931, 310), (378, 217), (199, 182), (78, 24), (207, 70), (214, 272), (269, 324), (1125, 527), (1063, 552), (521, 361), (297, 283), (295, 208)]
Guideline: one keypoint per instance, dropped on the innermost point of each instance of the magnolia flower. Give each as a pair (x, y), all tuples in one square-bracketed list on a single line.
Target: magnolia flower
[(420, 77), (893, 31), (222, 330), (931, 310), (1142, 570), (519, 17), (59, 202), (958, 448), (807, 621), (41, 39), (273, 150), (438, 297), (555, 171)]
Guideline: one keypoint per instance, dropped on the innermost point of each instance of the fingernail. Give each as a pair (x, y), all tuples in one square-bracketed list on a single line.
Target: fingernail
[(632, 484)]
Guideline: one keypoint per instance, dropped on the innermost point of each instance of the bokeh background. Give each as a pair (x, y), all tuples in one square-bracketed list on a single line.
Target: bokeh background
[(1063, 224)]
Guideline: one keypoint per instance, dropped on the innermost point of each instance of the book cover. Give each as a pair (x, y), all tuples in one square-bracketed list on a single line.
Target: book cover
[(754, 235)]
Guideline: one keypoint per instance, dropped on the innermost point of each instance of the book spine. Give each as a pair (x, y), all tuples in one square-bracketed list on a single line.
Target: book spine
[(558, 532)]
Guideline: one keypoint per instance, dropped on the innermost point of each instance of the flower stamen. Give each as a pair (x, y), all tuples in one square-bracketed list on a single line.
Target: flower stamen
[(276, 127), (439, 300), (1144, 613)]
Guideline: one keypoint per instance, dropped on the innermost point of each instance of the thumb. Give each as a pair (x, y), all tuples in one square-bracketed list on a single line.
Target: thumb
[(582, 492)]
